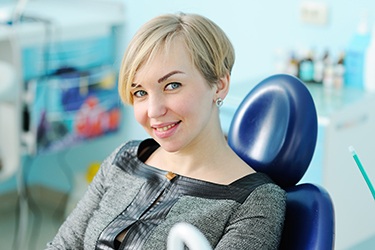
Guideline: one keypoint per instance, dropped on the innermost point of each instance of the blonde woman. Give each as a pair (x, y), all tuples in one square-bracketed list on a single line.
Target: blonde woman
[(176, 74)]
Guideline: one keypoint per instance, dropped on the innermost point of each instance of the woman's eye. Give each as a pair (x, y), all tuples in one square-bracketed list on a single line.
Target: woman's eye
[(173, 85), (140, 93)]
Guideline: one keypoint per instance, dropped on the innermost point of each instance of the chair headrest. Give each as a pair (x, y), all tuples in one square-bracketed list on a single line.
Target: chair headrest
[(274, 129)]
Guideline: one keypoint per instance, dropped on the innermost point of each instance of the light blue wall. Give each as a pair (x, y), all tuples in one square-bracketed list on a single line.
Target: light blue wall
[(256, 29)]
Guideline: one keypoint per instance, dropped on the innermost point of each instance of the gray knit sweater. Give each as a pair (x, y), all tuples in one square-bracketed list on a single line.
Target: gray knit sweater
[(251, 222)]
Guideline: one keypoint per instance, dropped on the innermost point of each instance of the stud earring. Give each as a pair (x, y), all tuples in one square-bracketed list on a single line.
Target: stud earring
[(219, 102)]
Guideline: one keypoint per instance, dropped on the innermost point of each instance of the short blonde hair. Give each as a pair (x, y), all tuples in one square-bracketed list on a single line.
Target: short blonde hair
[(210, 49)]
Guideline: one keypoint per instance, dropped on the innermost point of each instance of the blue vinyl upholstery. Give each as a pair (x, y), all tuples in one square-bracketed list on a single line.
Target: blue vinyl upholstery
[(275, 130)]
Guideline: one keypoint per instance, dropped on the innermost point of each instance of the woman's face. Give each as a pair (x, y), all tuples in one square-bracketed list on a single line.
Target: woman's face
[(172, 100)]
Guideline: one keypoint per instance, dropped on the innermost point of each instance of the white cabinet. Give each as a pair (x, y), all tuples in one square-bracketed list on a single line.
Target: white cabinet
[(347, 118)]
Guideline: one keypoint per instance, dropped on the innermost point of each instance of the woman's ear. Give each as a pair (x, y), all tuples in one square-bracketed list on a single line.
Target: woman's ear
[(223, 86)]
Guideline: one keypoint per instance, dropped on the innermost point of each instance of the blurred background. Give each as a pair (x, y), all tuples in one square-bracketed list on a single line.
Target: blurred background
[(60, 115)]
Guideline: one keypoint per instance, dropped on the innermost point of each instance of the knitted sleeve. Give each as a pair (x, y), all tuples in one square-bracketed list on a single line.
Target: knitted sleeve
[(258, 223), (72, 231)]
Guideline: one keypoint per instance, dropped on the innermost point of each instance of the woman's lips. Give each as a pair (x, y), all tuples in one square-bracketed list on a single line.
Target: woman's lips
[(167, 130)]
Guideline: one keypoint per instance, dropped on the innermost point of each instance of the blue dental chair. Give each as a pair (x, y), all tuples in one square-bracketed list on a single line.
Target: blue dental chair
[(274, 130)]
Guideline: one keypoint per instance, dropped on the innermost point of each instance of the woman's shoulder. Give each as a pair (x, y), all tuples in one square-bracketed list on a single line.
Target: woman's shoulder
[(128, 156), (130, 146), (262, 189), (125, 150), (271, 189), (252, 181), (269, 194), (131, 149), (267, 201)]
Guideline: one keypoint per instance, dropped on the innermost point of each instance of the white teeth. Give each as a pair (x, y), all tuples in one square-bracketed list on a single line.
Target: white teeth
[(165, 128)]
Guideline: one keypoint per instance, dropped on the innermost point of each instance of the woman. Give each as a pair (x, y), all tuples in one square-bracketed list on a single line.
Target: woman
[(176, 74)]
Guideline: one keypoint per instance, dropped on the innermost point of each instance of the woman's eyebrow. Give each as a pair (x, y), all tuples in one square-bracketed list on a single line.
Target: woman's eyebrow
[(164, 78), (135, 85)]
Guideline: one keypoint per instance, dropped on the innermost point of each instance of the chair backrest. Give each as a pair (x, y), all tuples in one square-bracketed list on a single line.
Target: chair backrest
[(275, 130)]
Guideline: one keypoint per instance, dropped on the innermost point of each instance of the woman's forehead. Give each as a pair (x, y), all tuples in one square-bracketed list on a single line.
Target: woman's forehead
[(163, 61)]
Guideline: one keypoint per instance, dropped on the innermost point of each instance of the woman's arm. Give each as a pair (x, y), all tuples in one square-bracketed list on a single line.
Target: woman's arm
[(258, 223), (72, 231)]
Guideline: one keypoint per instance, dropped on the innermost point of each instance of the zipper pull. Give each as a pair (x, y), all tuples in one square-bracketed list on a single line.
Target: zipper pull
[(170, 175)]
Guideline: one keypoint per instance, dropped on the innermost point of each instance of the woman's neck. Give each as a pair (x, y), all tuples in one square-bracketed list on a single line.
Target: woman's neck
[(207, 160)]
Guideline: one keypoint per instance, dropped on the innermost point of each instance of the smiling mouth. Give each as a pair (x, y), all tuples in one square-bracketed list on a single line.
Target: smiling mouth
[(162, 129)]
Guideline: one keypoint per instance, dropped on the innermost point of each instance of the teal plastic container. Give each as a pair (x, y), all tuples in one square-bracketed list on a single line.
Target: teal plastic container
[(355, 60)]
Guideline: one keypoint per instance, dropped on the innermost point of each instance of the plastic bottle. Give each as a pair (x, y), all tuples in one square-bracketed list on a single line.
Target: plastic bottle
[(306, 68), (293, 65), (339, 71), (318, 68), (355, 56), (328, 75), (369, 80)]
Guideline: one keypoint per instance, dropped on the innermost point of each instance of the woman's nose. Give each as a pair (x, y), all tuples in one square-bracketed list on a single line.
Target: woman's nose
[(156, 106)]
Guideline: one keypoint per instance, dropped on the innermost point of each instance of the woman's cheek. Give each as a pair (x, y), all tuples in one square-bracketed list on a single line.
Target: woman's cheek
[(140, 113)]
